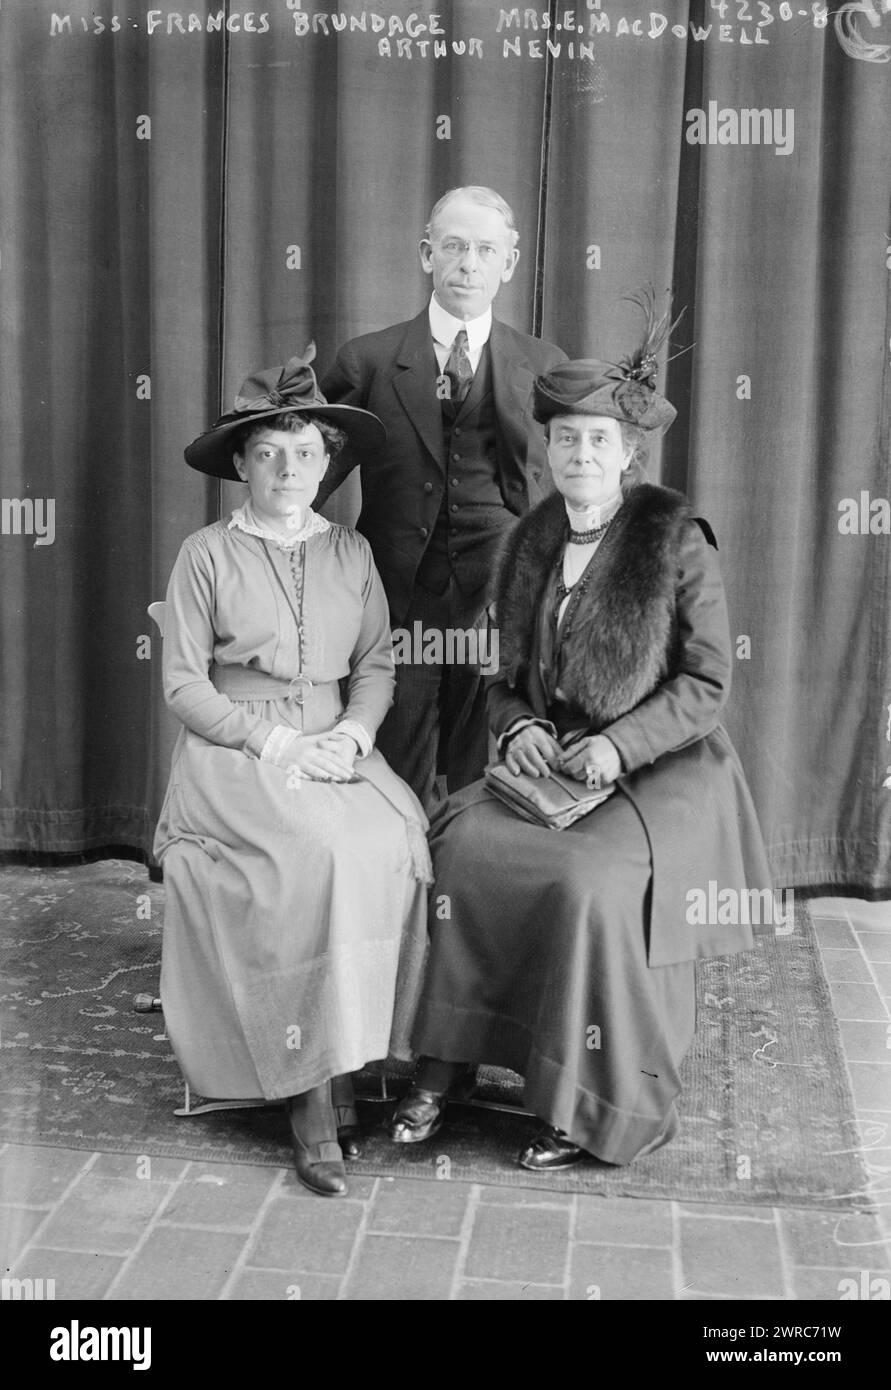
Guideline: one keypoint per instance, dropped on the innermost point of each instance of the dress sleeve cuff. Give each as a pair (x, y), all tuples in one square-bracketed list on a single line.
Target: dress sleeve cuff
[(519, 724), (278, 742), (358, 732), (253, 744)]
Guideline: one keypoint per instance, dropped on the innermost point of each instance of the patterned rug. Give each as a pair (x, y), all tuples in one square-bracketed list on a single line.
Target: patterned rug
[(767, 1114)]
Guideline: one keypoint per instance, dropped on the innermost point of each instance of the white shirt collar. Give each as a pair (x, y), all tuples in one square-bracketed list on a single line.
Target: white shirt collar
[(243, 519), (592, 517), (444, 326)]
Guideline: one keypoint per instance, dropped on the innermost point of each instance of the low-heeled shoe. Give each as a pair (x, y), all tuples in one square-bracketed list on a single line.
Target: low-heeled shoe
[(418, 1116), (550, 1149), (319, 1166)]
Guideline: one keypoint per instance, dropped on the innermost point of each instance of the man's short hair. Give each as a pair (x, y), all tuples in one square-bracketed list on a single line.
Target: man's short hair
[(477, 193)]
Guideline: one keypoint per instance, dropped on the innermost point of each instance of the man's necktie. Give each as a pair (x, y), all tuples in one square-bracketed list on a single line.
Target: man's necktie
[(458, 368)]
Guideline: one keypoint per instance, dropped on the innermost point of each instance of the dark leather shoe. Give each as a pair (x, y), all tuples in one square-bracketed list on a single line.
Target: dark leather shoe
[(550, 1149), (318, 1160), (418, 1116), (349, 1130)]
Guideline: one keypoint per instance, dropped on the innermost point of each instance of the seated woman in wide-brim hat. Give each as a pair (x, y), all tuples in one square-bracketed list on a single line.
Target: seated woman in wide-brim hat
[(568, 956), (294, 859)]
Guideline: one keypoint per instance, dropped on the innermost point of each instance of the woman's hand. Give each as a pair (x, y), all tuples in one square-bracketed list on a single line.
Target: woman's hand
[(594, 760), (344, 746), (321, 757), (533, 751)]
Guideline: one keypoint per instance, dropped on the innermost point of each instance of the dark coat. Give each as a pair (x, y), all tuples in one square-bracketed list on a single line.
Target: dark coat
[(647, 662), (392, 373)]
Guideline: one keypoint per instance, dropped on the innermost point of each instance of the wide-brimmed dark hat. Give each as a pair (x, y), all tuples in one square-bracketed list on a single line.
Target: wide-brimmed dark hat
[(291, 387), (623, 390)]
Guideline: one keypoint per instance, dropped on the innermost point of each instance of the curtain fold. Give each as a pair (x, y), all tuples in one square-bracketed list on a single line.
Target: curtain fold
[(278, 196)]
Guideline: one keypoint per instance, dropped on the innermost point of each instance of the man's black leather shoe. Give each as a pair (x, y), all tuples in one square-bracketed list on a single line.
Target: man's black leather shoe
[(550, 1150), (349, 1130), (418, 1116)]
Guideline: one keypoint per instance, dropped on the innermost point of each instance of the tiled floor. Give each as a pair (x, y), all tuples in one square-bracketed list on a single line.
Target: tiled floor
[(117, 1226)]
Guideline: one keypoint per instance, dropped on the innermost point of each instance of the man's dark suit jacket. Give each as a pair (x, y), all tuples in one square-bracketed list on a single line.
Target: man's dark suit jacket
[(393, 374)]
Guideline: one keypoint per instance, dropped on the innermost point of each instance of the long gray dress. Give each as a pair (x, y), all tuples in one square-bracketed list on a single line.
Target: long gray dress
[(295, 921)]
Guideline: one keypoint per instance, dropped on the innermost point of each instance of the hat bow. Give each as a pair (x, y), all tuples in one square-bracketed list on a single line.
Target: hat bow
[(294, 385)]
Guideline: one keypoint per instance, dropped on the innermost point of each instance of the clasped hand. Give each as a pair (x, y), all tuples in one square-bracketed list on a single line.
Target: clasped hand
[(534, 751), (325, 757), (594, 760)]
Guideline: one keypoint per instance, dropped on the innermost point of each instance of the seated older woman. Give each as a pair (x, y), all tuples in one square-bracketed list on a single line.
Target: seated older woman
[(294, 858), (568, 956)]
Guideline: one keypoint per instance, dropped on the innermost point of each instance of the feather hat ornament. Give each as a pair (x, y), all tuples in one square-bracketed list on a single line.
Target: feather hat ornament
[(641, 365), (624, 390)]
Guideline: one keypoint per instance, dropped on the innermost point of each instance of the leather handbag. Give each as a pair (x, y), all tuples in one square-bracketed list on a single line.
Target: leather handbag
[(556, 801)]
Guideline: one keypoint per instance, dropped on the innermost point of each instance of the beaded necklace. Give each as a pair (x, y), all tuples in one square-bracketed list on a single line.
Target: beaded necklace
[(586, 537), (579, 538), (297, 565)]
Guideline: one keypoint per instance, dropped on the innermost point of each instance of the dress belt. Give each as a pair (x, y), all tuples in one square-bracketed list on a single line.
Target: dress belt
[(247, 683)]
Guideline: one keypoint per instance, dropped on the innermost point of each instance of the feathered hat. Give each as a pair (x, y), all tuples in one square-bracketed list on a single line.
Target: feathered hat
[(291, 387), (624, 390)]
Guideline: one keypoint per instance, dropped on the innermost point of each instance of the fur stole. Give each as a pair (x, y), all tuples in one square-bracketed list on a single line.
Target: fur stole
[(621, 640)]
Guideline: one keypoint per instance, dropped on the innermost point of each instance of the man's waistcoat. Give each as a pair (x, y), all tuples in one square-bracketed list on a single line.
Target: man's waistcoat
[(472, 516)]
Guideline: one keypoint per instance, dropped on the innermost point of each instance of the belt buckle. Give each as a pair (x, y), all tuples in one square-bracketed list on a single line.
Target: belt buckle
[(298, 696)]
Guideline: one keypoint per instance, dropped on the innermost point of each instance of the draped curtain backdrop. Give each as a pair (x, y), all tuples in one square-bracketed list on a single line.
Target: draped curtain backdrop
[(184, 205)]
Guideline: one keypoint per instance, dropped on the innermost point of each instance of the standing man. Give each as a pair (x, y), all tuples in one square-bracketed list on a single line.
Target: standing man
[(463, 461)]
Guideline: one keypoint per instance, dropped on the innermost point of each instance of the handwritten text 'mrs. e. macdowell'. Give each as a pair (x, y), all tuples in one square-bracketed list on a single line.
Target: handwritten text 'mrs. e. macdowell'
[(419, 34)]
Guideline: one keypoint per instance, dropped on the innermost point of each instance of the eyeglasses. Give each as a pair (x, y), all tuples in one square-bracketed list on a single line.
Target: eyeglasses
[(456, 247)]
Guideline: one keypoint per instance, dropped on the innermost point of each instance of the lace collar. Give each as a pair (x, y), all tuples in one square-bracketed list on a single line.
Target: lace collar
[(244, 520)]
